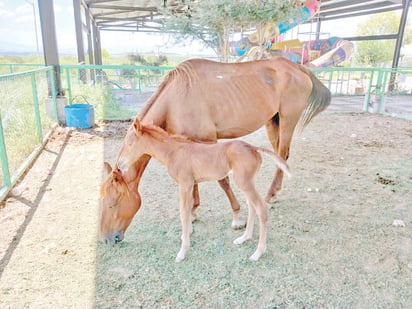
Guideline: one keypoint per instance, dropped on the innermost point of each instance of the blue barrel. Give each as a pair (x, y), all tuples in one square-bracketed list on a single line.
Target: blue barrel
[(79, 115)]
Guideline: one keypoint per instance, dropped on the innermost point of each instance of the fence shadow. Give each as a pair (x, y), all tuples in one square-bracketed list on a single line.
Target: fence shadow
[(32, 209)]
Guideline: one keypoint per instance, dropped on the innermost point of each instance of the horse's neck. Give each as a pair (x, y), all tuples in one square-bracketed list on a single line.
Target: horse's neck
[(161, 148), (154, 115)]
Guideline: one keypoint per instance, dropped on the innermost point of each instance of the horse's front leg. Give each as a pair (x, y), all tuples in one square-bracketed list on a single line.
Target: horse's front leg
[(238, 221), (185, 195)]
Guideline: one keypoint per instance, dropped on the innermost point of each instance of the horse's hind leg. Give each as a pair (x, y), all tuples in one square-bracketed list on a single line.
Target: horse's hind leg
[(196, 202), (238, 221), (280, 132)]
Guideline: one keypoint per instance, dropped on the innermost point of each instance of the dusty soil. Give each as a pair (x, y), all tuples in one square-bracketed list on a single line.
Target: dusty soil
[(340, 232)]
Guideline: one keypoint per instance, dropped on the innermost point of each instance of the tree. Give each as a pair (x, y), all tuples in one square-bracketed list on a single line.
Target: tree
[(212, 21), (375, 52)]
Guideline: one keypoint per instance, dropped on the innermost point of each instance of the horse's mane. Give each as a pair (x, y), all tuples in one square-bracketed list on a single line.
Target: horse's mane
[(159, 134), (183, 74)]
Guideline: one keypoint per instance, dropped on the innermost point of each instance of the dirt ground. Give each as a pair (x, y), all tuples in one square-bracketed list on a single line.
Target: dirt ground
[(340, 233)]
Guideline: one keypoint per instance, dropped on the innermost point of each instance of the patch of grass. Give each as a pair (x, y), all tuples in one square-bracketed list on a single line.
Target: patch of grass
[(18, 120), (106, 106), (332, 248)]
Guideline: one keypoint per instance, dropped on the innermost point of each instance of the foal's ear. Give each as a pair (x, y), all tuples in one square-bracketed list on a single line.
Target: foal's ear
[(137, 126), (107, 169)]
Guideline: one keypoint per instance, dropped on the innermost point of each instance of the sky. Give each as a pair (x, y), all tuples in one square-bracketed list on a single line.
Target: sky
[(17, 32)]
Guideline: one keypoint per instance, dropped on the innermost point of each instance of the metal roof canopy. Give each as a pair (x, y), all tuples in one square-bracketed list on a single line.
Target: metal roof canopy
[(93, 16), (143, 16)]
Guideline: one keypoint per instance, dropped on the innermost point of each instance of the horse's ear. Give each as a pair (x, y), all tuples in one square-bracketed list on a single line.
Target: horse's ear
[(119, 182), (107, 169), (137, 126)]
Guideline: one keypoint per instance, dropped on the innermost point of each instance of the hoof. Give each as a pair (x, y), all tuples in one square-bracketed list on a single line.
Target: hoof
[(240, 240), (180, 257), (256, 256), (269, 199), (194, 217), (238, 224)]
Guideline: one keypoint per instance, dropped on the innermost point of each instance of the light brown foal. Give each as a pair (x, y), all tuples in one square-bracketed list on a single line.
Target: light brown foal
[(190, 163)]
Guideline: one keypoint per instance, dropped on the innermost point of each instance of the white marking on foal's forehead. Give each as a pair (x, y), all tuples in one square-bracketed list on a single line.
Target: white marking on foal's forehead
[(219, 76)]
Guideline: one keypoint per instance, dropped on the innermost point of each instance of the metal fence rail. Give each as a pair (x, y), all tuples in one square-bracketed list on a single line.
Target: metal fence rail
[(118, 92), (10, 68), (24, 126), (370, 89)]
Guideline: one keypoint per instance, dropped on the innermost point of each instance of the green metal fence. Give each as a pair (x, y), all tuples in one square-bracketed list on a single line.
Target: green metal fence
[(10, 68), (24, 126), (382, 90), (118, 92)]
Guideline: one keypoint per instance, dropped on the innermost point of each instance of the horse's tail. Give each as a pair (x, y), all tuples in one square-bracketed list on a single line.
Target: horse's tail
[(278, 160), (318, 101)]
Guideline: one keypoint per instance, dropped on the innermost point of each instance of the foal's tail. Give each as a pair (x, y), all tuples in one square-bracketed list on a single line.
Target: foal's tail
[(278, 160), (318, 101)]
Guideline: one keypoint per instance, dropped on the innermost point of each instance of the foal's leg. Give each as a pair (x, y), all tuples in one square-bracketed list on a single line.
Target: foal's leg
[(249, 226), (262, 211), (244, 173), (185, 195), (256, 205), (280, 132), (238, 221)]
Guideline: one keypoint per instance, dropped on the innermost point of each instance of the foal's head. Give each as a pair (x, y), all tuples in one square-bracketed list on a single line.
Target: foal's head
[(132, 148), (119, 202)]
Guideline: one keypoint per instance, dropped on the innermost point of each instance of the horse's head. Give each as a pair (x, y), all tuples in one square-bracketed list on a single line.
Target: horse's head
[(119, 202), (132, 148)]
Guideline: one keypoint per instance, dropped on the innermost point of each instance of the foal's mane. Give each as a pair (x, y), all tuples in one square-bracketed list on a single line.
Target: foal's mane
[(159, 134), (184, 75)]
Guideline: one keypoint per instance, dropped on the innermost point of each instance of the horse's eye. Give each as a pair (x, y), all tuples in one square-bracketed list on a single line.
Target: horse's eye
[(119, 170)]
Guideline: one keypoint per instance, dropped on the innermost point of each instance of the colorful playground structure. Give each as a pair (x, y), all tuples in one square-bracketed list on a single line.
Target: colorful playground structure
[(318, 53)]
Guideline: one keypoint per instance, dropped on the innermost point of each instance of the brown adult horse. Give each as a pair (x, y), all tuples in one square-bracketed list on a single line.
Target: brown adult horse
[(206, 101), (190, 163)]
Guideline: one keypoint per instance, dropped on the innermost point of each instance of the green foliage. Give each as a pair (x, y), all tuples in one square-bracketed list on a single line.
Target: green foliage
[(136, 59), (106, 57), (212, 21), (380, 51), (18, 120), (105, 104), (68, 59), (131, 75)]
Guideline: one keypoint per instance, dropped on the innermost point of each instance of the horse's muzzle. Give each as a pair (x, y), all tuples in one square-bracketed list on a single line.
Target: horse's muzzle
[(113, 239)]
